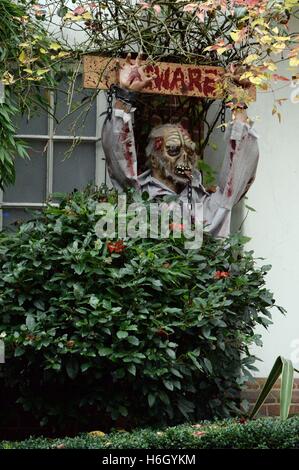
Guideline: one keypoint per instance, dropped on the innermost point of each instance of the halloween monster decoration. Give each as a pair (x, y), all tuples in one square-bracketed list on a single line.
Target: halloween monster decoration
[(172, 157)]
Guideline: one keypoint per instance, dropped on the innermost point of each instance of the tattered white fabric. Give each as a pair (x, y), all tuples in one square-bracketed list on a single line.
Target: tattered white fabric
[(236, 176)]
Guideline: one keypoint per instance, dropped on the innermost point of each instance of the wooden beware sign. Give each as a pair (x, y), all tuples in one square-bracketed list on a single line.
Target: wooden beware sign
[(171, 79)]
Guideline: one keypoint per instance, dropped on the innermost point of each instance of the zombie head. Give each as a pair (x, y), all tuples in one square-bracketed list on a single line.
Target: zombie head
[(171, 154)]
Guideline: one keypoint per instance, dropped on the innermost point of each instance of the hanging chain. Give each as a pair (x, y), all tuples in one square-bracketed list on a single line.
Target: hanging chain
[(189, 194), (223, 117), (111, 92)]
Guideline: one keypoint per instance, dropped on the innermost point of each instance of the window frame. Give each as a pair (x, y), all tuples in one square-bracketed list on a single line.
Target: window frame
[(50, 138)]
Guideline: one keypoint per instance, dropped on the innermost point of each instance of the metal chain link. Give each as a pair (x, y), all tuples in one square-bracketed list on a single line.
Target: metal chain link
[(111, 92), (189, 194), (223, 117)]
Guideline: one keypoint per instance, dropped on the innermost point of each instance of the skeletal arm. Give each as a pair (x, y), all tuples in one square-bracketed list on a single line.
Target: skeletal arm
[(117, 134), (119, 147), (236, 176)]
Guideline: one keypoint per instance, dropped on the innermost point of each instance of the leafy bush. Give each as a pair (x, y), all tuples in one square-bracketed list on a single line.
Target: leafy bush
[(144, 331), (265, 433)]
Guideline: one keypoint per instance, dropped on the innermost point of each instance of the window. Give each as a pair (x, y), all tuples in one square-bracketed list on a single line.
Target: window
[(50, 169)]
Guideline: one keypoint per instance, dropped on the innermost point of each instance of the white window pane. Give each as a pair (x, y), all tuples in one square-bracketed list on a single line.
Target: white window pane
[(73, 171), (30, 185), (36, 125), (81, 122)]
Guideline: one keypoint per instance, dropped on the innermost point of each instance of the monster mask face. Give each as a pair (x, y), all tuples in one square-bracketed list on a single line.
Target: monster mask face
[(172, 154)]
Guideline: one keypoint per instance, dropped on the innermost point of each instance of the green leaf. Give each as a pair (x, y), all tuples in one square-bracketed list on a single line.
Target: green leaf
[(287, 382), (171, 353), (94, 301), (280, 365), (164, 398), (206, 331), (85, 366), (78, 291), (72, 368), (151, 399), (19, 351), (30, 322), (208, 365), (168, 385), (122, 334), (194, 360), (176, 373), (123, 410), (120, 373), (185, 406), (249, 208), (157, 284), (39, 304), (133, 340), (132, 369), (104, 351), (79, 268)]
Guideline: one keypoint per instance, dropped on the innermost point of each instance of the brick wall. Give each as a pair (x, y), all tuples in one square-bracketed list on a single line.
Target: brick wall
[(271, 405)]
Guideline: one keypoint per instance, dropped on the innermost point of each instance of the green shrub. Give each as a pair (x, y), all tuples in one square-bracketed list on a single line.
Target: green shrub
[(265, 433), (147, 335)]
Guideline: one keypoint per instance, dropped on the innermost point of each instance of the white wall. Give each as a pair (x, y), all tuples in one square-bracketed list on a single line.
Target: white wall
[(274, 227)]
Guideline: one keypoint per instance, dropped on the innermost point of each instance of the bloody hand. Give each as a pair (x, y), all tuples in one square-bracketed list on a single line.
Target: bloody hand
[(132, 76)]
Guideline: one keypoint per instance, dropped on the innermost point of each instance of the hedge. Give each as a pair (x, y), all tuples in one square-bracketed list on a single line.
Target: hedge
[(263, 433), (140, 331)]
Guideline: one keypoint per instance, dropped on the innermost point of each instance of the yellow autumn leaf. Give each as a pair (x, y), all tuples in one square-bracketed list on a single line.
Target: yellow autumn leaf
[(270, 66), (221, 50), (28, 71), (294, 62), (55, 46), (87, 16), (257, 80), (278, 47), (290, 4), (275, 30), (7, 78), (259, 21), (250, 59), (42, 71), (63, 54), (34, 79), (282, 38), (266, 39), (23, 57), (96, 433), (246, 75), (264, 86), (33, 59), (69, 16), (43, 51), (236, 35)]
